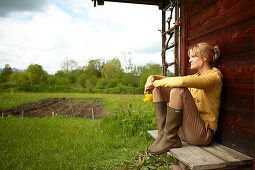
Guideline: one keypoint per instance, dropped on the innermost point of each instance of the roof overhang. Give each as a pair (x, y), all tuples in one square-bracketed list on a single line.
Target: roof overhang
[(159, 3)]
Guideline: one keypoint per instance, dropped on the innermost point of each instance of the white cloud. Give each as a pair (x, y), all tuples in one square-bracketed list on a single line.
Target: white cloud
[(80, 32)]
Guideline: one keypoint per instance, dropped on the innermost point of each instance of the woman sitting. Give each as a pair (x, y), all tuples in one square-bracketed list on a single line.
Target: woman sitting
[(187, 107)]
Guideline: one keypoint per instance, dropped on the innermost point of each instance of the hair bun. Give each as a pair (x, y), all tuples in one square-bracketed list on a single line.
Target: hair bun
[(216, 53)]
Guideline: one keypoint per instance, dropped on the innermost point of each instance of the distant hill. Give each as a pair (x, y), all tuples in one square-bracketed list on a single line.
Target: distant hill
[(13, 69)]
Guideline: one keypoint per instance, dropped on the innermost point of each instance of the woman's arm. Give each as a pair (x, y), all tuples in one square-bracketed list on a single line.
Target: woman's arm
[(149, 83), (205, 82)]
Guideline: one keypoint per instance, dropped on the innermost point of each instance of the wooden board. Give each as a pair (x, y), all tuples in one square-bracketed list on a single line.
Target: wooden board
[(195, 6), (145, 2), (232, 157), (213, 156), (210, 18), (236, 141), (229, 24), (195, 157), (153, 133)]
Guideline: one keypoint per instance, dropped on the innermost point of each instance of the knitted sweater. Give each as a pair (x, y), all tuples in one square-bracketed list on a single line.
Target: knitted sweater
[(205, 89)]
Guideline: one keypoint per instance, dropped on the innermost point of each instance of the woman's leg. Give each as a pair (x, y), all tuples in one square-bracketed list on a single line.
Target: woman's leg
[(160, 98), (193, 129), (182, 111), (161, 94)]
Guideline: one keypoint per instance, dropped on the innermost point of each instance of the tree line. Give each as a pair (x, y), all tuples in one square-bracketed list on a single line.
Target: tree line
[(97, 76)]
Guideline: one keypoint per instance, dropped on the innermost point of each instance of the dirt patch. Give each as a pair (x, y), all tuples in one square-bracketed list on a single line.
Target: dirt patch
[(89, 108)]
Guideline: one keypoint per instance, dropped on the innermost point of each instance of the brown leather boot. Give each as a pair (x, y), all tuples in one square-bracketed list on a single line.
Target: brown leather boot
[(160, 114), (170, 138)]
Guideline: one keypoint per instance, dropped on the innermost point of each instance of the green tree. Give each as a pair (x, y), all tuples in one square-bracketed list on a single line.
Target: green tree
[(82, 80), (36, 74), (94, 68), (17, 77), (21, 80), (90, 74), (145, 71), (111, 68), (5, 74), (61, 78)]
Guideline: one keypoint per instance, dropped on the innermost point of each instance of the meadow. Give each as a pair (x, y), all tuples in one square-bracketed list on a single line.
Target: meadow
[(117, 141)]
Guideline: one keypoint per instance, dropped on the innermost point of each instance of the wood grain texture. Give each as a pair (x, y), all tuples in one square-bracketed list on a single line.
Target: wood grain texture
[(153, 133), (231, 25), (214, 155), (196, 6), (232, 39), (210, 19), (183, 37), (195, 157), (238, 97), (232, 157), (238, 142)]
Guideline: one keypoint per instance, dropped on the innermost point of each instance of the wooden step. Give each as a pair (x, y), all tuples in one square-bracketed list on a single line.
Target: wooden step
[(213, 156)]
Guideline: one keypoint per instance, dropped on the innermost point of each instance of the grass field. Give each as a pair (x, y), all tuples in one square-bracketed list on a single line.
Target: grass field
[(75, 143)]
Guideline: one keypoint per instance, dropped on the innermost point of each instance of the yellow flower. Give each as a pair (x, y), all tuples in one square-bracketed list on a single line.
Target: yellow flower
[(148, 98)]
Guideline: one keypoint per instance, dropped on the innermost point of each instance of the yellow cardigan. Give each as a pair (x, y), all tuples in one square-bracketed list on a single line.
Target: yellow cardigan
[(205, 89)]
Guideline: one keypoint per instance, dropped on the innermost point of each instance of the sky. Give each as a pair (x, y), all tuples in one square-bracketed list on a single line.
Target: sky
[(46, 32)]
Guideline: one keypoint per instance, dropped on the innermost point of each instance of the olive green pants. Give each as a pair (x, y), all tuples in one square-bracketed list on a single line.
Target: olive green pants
[(193, 129)]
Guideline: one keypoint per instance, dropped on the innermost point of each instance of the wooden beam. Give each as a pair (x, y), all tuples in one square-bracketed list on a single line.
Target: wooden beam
[(145, 2), (183, 39), (100, 2), (176, 39), (163, 54)]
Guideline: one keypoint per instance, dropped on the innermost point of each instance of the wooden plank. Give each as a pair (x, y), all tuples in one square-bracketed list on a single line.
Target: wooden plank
[(238, 103), (196, 6), (242, 74), (232, 157), (192, 156), (238, 69), (254, 141), (153, 133), (237, 126), (183, 38), (146, 2), (237, 122), (229, 24), (241, 57), (195, 157), (210, 19), (238, 35), (239, 142)]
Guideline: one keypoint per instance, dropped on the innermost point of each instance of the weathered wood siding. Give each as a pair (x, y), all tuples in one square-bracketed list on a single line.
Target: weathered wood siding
[(231, 25)]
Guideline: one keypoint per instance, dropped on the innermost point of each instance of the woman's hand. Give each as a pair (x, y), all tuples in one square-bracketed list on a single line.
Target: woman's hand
[(149, 85)]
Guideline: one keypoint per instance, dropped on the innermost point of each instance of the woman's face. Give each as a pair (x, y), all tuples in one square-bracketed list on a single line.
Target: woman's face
[(196, 62)]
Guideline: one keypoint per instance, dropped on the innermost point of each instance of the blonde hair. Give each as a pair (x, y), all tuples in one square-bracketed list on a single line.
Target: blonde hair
[(204, 49)]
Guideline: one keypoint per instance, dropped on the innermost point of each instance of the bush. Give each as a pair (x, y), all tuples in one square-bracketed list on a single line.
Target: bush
[(7, 85), (134, 116)]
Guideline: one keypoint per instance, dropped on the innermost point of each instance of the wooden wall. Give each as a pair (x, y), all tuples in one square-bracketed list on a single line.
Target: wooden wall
[(231, 25)]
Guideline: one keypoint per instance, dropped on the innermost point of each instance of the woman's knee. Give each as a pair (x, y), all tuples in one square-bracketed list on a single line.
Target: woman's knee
[(160, 94), (178, 91)]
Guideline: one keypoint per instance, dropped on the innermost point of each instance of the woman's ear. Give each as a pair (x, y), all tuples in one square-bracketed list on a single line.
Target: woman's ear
[(206, 58)]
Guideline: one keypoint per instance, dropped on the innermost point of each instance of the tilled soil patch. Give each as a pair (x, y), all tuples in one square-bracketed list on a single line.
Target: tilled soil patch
[(89, 108)]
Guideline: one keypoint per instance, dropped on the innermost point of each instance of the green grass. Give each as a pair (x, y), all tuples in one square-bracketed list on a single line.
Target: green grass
[(63, 143), (75, 143)]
